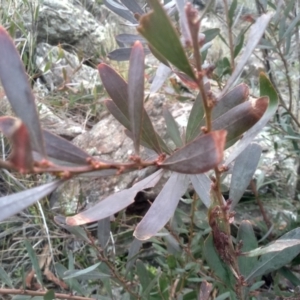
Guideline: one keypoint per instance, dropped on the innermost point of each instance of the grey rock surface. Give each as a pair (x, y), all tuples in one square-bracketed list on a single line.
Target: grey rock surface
[(60, 68), (61, 22), (108, 141)]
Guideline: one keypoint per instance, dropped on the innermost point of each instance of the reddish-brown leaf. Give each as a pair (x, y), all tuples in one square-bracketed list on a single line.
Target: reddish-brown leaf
[(18, 91), (16, 132), (61, 149), (241, 118), (136, 92), (199, 156), (117, 89)]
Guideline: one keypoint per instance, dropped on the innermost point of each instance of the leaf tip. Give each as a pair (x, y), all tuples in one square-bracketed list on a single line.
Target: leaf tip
[(77, 220), (259, 106)]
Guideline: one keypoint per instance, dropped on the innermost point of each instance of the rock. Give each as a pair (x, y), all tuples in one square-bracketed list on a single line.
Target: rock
[(62, 69), (61, 22), (108, 141)]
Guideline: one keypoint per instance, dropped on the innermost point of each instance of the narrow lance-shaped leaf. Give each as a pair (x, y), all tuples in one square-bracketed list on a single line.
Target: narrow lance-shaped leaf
[(61, 149), (157, 28), (210, 34), (202, 185), (133, 251), (247, 236), (256, 32), (5, 278), (133, 6), (120, 10), (17, 89), (195, 119), (172, 128), (234, 97), (161, 75), (129, 39), (266, 89), (241, 118), (113, 203), (199, 156), (136, 92), (13, 204), (117, 89), (103, 232), (84, 273), (119, 116), (123, 54), (231, 11), (274, 260), (277, 246), (242, 173), (16, 132), (34, 261), (163, 207)]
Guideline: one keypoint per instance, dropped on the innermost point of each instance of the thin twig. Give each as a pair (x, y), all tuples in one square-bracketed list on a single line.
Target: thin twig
[(41, 293), (261, 207), (112, 268)]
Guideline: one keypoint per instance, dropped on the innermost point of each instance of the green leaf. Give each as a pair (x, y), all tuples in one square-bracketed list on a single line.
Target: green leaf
[(151, 284), (157, 28), (287, 247), (231, 12), (266, 89), (199, 156), (172, 128), (293, 25), (72, 283), (210, 34), (224, 296), (195, 119), (290, 276), (143, 274), (136, 93), (247, 236), (34, 261), (86, 274), (50, 295), (243, 171), (5, 278), (133, 251), (239, 44)]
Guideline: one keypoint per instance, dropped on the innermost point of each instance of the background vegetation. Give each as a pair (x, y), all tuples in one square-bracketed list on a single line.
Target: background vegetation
[(40, 251)]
